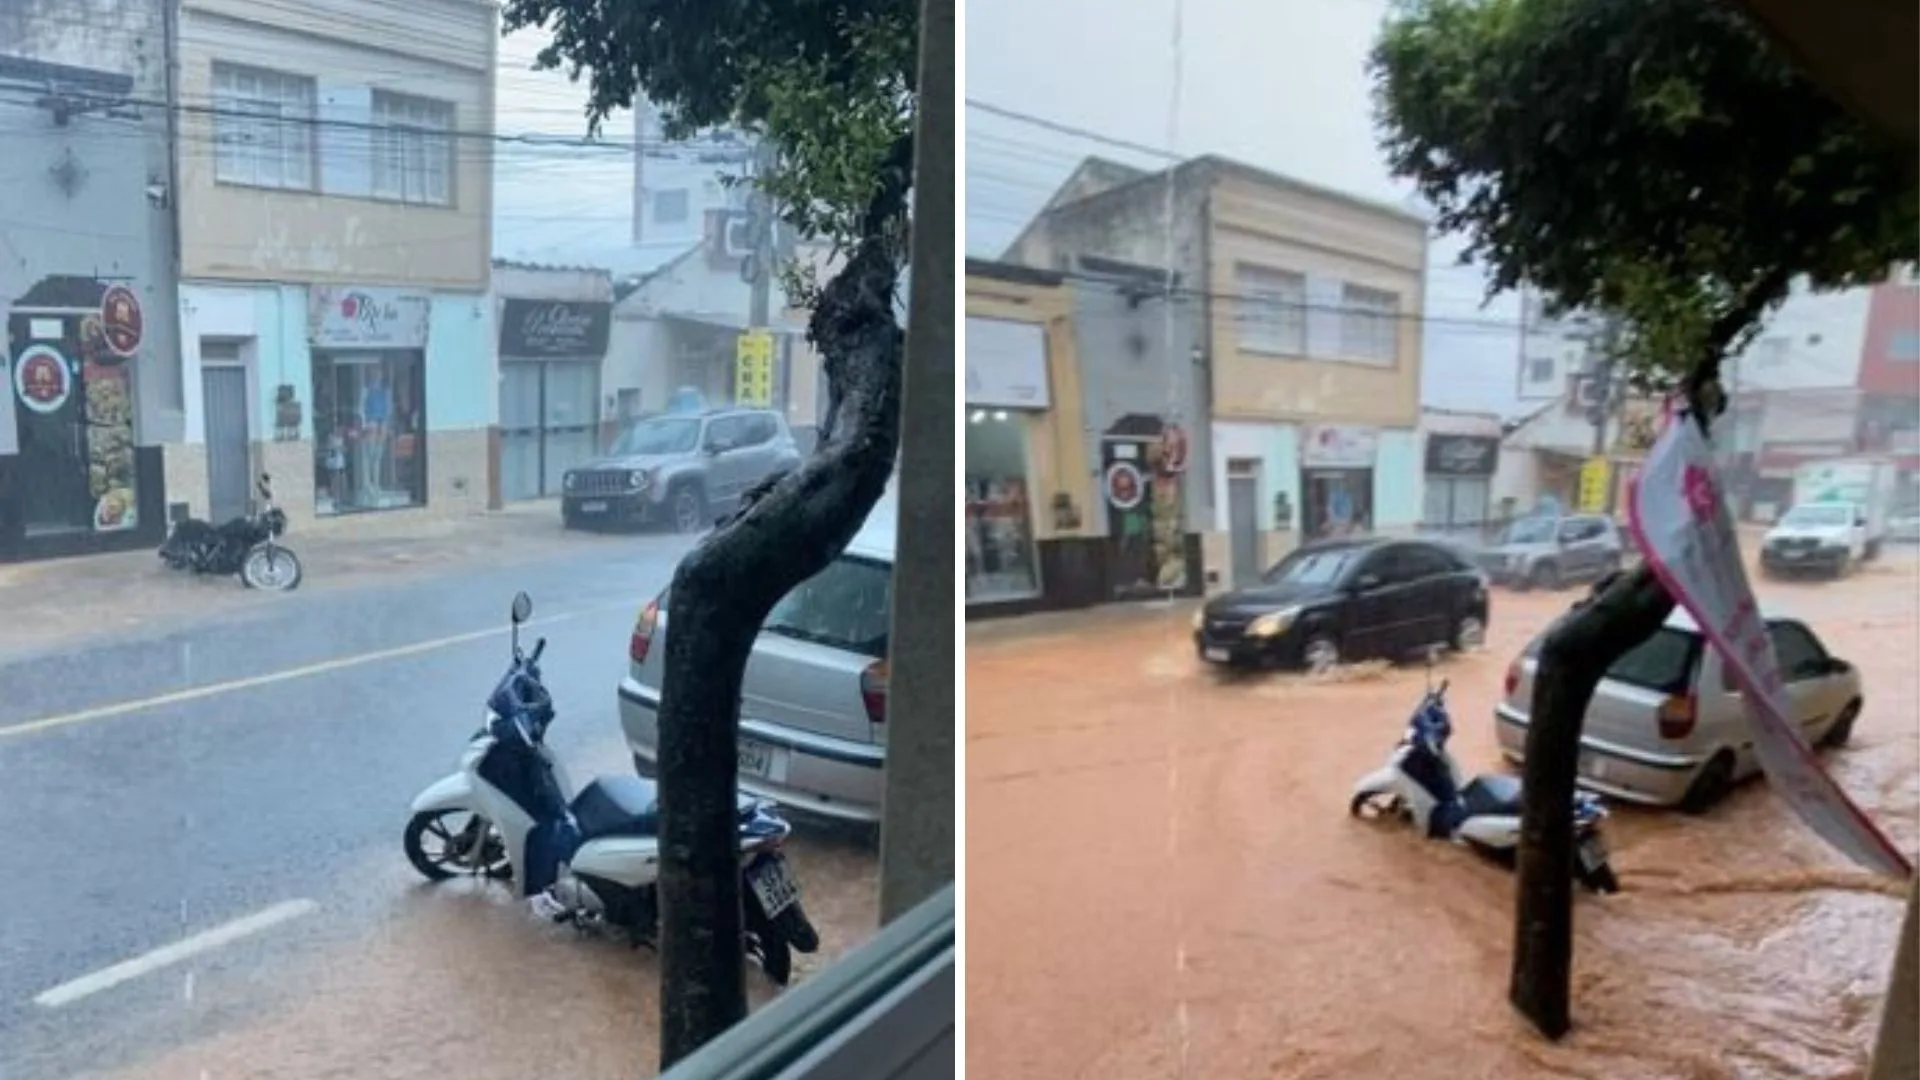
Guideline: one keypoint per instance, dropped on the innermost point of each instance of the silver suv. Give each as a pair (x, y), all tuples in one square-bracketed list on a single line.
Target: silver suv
[(681, 469), (1548, 552)]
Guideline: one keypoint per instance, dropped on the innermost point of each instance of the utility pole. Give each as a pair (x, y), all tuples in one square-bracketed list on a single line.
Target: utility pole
[(758, 267), (916, 836), (1601, 373)]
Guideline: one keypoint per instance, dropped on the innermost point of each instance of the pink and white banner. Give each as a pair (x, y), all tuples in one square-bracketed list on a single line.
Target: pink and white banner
[(1684, 530)]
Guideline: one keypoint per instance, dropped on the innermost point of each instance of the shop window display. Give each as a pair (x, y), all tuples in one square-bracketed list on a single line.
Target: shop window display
[(369, 421), (1001, 561)]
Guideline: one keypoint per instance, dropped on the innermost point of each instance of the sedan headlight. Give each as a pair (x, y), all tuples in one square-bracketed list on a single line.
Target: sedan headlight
[(1273, 624)]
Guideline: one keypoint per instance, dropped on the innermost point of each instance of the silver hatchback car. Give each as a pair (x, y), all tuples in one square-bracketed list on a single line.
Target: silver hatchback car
[(1667, 728), (813, 708)]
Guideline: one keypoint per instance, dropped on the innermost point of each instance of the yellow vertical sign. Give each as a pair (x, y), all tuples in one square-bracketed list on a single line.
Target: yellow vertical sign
[(753, 368), (1595, 478)]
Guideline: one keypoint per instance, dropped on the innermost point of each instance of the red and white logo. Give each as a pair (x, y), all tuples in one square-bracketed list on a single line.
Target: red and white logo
[(42, 379)]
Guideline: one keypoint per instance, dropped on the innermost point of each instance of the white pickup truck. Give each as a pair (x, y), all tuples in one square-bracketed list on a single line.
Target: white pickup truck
[(1838, 519)]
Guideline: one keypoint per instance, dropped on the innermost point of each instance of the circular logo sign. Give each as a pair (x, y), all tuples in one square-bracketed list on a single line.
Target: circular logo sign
[(121, 320), (1125, 486), (1173, 450), (42, 379)]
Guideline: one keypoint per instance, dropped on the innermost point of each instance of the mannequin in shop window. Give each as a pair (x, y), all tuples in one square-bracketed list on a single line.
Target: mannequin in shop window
[(376, 414)]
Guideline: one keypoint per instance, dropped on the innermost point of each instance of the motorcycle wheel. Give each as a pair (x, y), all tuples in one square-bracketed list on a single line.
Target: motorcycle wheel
[(776, 958), (797, 929), (1374, 805), (271, 569), (432, 847), (1601, 880)]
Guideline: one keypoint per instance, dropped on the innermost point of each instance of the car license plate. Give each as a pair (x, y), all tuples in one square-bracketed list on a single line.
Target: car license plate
[(595, 507), (1593, 852), (756, 758), (1218, 656), (1791, 555), (1592, 767), (772, 885)]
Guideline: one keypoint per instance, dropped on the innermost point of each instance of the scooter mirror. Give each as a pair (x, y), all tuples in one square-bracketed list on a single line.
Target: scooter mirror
[(522, 608)]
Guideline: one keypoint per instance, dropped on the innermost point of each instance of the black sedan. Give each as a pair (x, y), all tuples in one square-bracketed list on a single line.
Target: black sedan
[(1348, 600)]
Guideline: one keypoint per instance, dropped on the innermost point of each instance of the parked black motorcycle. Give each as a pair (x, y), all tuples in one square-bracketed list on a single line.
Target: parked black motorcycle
[(244, 546)]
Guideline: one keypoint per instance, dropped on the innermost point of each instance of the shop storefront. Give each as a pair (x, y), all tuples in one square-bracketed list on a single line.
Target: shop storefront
[(75, 482), (550, 357), (1459, 481), (1143, 467), (369, 349), (1006, 383), (1336, 480)]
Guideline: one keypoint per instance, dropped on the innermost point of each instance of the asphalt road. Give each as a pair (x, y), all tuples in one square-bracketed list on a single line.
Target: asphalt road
[(153, 788)]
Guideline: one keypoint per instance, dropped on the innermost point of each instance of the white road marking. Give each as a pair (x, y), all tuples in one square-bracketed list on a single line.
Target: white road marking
[(323, 667), (167, 955)]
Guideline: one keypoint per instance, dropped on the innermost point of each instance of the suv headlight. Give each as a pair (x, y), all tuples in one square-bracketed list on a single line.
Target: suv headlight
[(567, 481), (1274, 624), (639, 478)]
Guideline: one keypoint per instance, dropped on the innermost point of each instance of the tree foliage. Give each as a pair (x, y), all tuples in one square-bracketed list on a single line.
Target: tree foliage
[(830, 82), (1657, 159)]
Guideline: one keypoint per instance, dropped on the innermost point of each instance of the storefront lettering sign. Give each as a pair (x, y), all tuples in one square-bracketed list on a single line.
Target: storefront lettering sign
[(367, 318), (121, 321), (42, 379), (555, 328), (1338, 446), (1462, 455), (1682, 525), (1006, 364)]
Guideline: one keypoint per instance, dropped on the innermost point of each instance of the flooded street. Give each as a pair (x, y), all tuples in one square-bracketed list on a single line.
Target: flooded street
[(458, 980), (1163, 880)]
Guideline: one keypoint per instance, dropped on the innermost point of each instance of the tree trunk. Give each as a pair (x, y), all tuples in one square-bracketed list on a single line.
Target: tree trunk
[(1575, 655), (1573, 658), (722, 592)]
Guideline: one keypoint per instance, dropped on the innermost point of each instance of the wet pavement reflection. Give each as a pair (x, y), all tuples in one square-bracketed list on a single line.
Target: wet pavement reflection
[(1163, 880)]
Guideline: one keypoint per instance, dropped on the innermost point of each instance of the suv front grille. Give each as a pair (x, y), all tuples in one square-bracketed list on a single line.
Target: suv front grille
[(601, 482)]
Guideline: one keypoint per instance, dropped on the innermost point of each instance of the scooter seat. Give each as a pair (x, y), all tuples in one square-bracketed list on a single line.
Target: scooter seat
[(1486, 796), (617, 806)]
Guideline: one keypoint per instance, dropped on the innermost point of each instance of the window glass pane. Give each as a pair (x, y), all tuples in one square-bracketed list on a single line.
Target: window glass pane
[(1663, 662), (846, 606)]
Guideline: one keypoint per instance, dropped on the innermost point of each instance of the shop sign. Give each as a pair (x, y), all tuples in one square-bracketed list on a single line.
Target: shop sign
[(1596, 480), (1173, 450), (1462, 455), (121, 322), (1006, 364), (753, 367), (42, 379), (367, 318), (555, 328), (1125, 485), (1337, 446)]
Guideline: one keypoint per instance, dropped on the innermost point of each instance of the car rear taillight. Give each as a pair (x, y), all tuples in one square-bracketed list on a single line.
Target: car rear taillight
[(1513, 678), (1677, 716), (873, 691), (643, 628)]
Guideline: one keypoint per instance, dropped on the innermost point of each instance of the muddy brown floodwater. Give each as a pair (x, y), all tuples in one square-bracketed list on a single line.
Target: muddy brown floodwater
[(1162, 879), (458, 981)]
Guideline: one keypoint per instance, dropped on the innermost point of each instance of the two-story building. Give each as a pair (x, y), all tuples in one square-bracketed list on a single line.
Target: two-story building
[(335, 172), (1310, 350), (1889, 377), (87, 283)]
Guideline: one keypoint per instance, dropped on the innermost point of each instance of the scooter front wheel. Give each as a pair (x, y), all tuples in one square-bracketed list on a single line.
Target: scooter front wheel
[(1601, 880), (1373, 805), (441, 846)]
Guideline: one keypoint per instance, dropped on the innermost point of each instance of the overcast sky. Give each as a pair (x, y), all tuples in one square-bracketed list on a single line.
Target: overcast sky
[(1280, 84)]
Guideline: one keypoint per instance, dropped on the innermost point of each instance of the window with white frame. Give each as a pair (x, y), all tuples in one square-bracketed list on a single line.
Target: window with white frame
[(263, 129), (1369, 324), (412, 144), (1272, 310)]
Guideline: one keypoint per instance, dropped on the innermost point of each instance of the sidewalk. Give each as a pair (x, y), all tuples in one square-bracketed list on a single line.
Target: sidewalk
[(48, 603)]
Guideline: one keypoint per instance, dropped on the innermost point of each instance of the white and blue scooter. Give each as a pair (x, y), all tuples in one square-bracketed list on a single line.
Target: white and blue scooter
[(1421, 784)]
